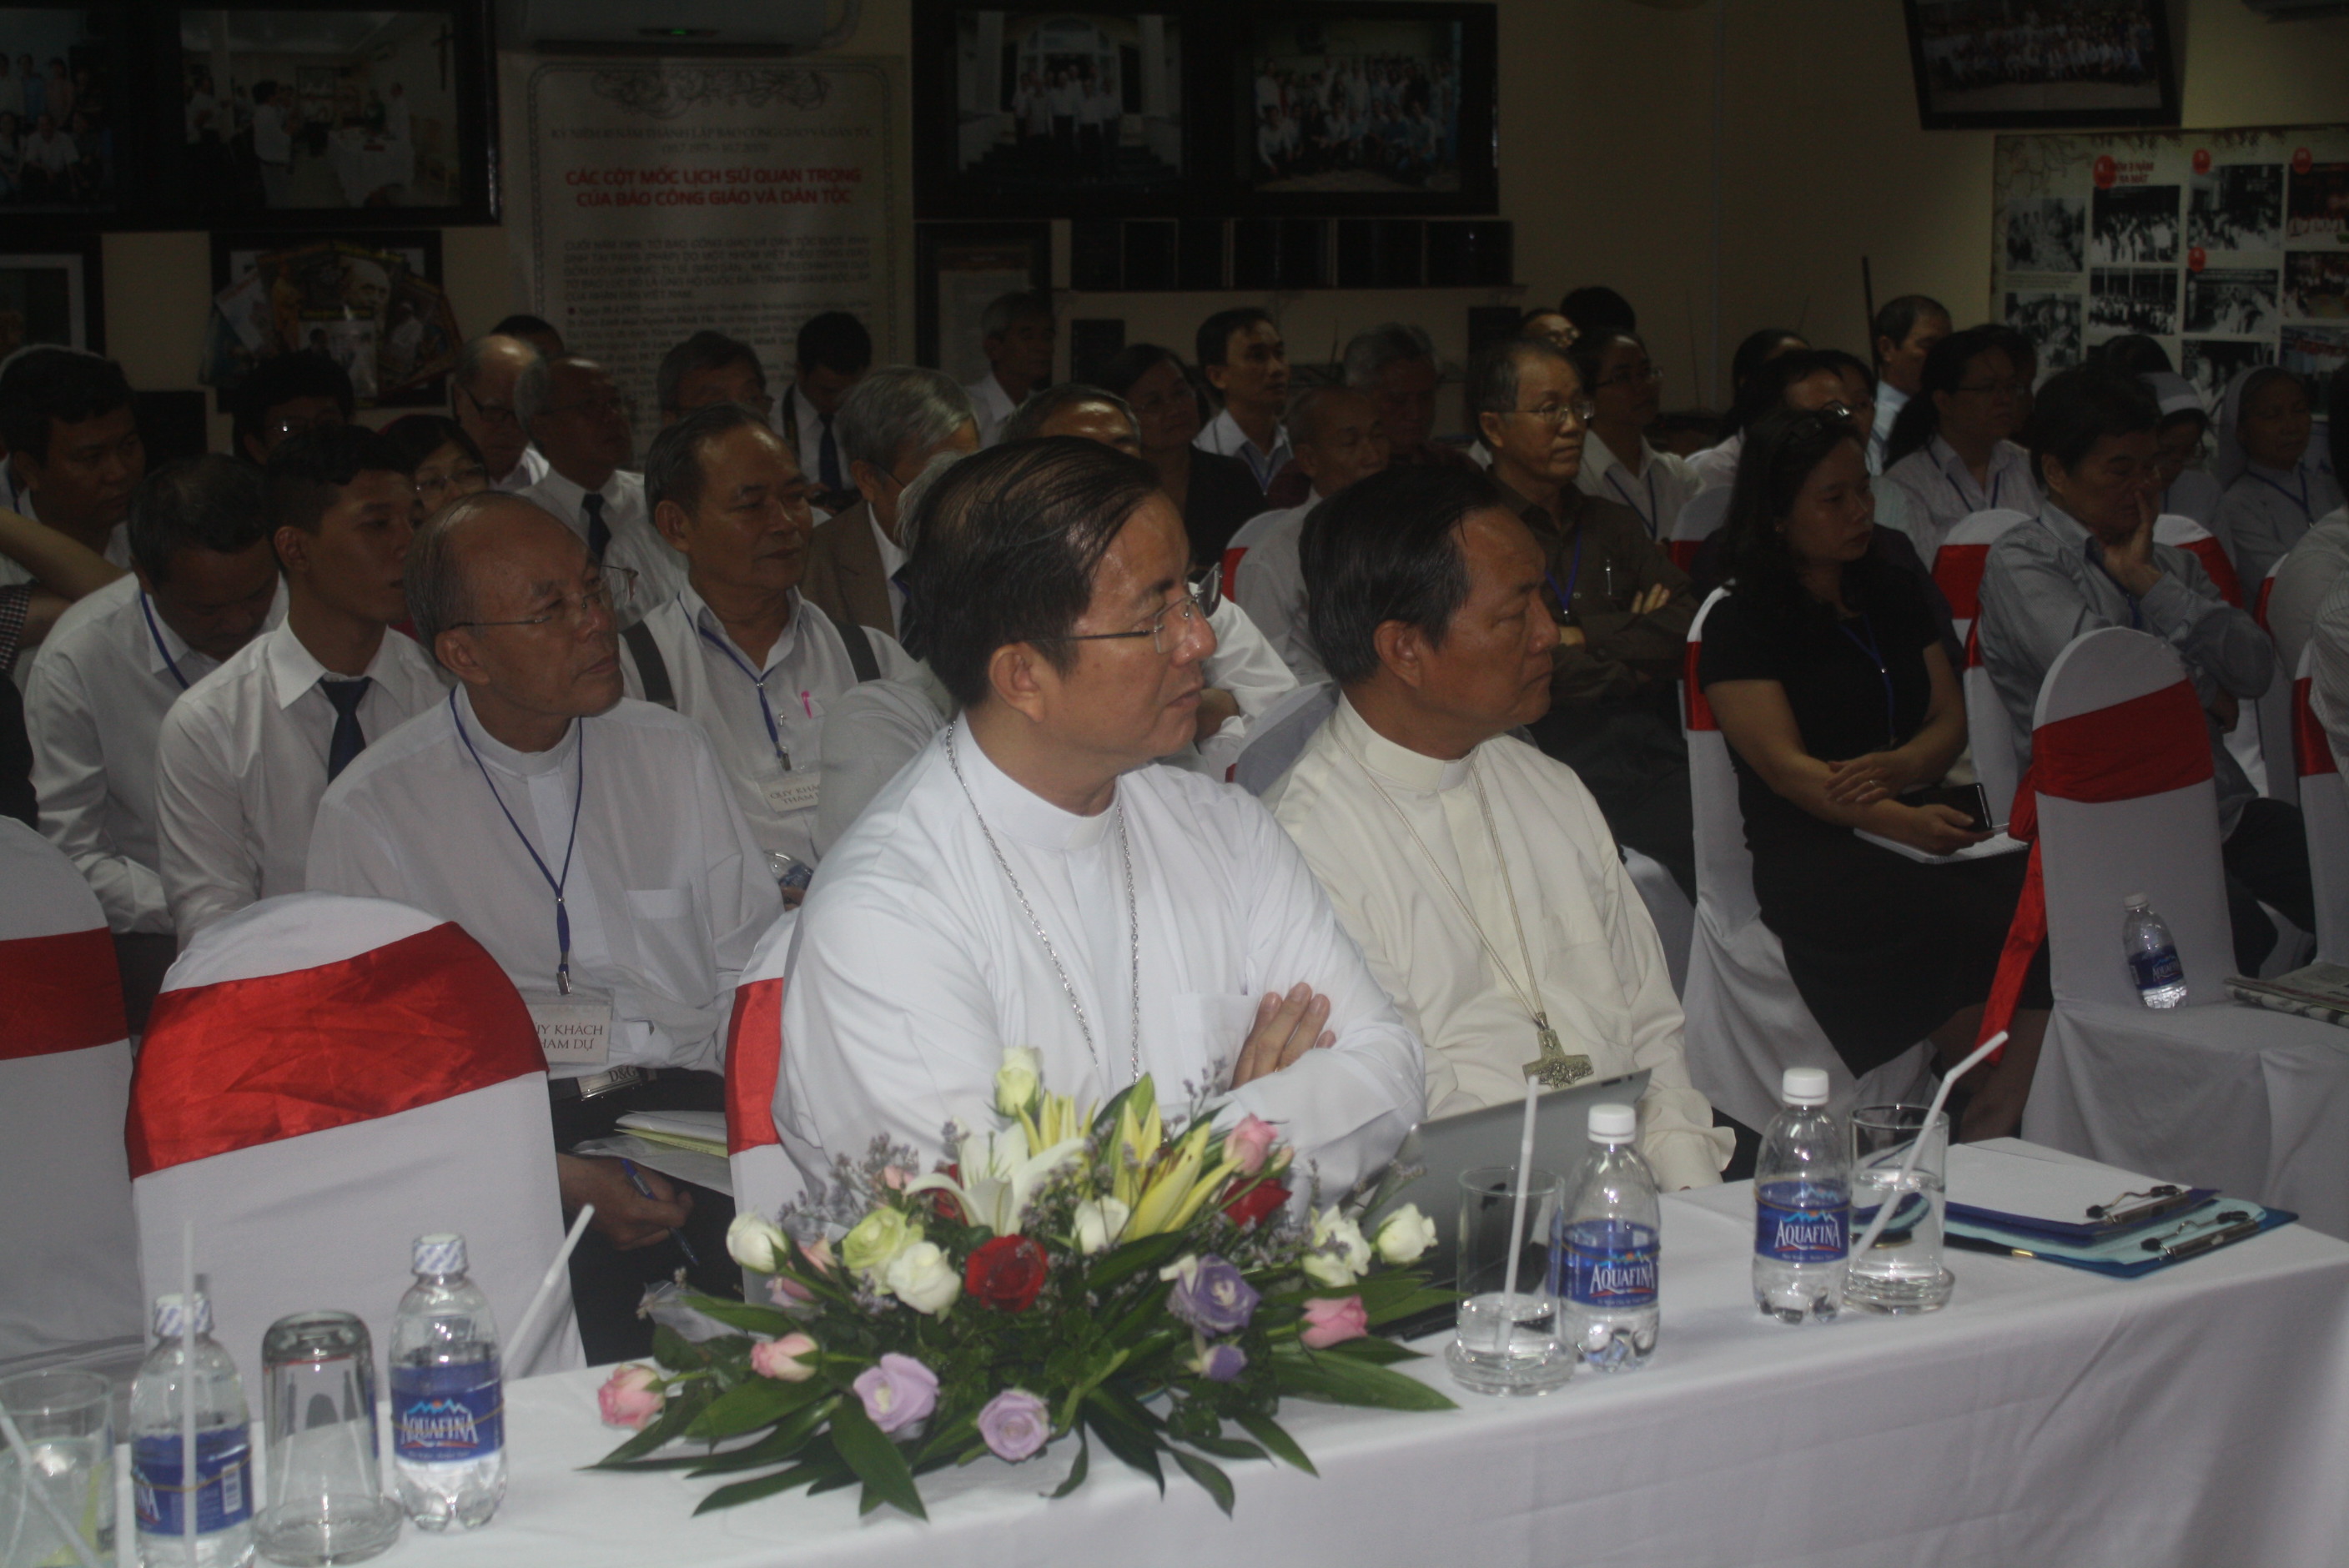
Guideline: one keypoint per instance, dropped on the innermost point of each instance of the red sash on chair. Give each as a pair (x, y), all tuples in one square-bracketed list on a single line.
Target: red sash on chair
[(2220, 570), (2149, 745), (1700, 712), (246, 1062), (63, 991), (1957, 572), (2312, 748), (1232, 558), (753, 1058)]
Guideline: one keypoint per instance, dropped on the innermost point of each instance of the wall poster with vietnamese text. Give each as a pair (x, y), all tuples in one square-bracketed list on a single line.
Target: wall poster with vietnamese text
[(648, 199)]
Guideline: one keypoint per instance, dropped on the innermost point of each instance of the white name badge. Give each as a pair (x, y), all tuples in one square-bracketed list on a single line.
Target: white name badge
[(793, 792), (574, 1031)]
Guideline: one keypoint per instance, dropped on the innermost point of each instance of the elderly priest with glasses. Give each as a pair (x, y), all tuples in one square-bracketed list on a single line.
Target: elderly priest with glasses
[(1033, 877), (592, 844)]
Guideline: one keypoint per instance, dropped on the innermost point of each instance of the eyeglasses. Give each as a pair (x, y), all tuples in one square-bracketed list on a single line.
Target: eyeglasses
[(1632, 376), (1183, 613), (1995, 388), (496, 415), (1835, 411), (615, 406), (609, 593), (1578, 412), (469, 474), (288, 427)]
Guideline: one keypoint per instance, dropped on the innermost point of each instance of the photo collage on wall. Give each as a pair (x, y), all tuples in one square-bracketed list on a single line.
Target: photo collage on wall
[(2231, 247)]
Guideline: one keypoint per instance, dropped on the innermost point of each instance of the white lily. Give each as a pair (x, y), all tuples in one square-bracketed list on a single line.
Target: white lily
[(999, 1174)]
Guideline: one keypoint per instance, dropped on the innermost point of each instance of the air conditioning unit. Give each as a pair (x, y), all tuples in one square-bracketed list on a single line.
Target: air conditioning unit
[(2297, 10), (700, 24)]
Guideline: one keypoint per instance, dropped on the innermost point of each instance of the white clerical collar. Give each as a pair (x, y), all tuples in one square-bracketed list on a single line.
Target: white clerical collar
[(497, 754), (703, 619), (1414, 770), (1013, 809), (294, 669)]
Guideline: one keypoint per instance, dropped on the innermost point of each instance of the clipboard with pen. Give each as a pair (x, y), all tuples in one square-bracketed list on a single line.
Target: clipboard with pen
[(2012, 1200)]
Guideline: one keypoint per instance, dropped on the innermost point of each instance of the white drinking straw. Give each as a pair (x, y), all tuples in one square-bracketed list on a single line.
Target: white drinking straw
[(523, 1359), (40, 1494), (189, 1491), (1508, 1322), (1909, 1166)]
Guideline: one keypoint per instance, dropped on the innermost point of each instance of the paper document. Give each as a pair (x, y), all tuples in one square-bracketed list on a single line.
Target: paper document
[(1996, 845), (702, 1170), (703, 1131), (2052, 1191)]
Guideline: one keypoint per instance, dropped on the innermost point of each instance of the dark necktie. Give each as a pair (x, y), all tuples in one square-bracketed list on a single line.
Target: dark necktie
[(599, 532), (909, 630), (827, 458), (348, 741)]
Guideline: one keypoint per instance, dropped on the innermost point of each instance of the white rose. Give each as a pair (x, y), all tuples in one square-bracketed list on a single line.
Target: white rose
[(922, 1278), (1019, 1080), (1099, 1225), (756, 1243), (1337, 1254), (1405, 1236)]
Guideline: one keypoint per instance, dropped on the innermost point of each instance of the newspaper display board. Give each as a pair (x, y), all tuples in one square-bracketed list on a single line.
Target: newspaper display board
[(650, 198), (2230, 247)]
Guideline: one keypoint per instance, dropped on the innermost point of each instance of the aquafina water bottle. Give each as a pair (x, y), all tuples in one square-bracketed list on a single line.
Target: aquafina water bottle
[(1801, 1205), (448, 1394), (2151, 954), (1606, 1247), (177, 1370)]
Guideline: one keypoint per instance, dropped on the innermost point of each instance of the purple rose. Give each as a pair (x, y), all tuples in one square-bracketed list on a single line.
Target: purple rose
[(1222, 1363), (897, 1392), (1015, 1424), (1210, 1295)]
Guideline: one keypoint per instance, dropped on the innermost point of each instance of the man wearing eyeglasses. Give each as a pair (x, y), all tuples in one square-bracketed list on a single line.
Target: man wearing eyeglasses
[(246, 752), (578, 417), (481, 395), (593, 845), (284, 396), (1032, 879), (1624, 609)]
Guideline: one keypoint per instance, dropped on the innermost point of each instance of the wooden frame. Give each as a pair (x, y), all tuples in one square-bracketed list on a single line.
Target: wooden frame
[(421, 249), (51, 285)]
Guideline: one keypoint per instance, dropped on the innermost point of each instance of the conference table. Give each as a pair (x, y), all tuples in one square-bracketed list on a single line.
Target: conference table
[(2196, 1416)]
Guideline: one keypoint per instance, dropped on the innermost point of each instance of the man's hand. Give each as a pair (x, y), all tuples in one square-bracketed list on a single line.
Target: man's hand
[(1863, 780), (626, 1218), (1216, 706), (1650, 599), (1570, 637), (2131, 562), (1285, 1028), (2225, 708)]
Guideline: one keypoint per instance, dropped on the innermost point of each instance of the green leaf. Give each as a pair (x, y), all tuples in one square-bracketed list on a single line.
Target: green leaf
[(1137, 1448), (679, 1354), (1216, 1484), (1077, 1470), (684, 1404), (744, 1315), (877, 1461), (1149, 1253), (1379, 1352), (1345, 1380), (1423, 1299), (748, 1405), (1229, 1448), (789, 1436), (742, 1491), (1273, 1436)]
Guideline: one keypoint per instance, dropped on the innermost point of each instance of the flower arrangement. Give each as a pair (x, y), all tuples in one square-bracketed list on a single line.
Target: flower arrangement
[(1096, 1274)]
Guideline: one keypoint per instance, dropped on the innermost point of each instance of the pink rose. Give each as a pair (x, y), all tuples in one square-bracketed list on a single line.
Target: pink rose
[(895, 1178), (1249, 1143), (784, 1291), (787, 1359), (631, 1397), (1329, 1321)]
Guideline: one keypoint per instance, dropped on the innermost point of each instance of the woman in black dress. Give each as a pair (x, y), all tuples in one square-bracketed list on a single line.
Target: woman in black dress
[(1825, 673), (1214, 493)]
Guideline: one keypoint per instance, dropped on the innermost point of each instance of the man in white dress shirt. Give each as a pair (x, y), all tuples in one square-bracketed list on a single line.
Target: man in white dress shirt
[(834, 352), (1030, 879), (739, 651), (1244, 359), (481, 395), (576, 413), (74, 453), (245, 753), (1905, 331), (535, 781), (1477, 874), (1340, 440), (1016, 334)]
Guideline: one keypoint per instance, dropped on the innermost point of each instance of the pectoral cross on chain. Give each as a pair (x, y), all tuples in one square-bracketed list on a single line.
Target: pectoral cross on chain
[(1554, 1067)]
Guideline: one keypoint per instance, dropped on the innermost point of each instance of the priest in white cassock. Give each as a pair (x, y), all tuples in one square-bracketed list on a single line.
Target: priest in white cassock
[(1477, 874), (1032, 879), (593, 845)]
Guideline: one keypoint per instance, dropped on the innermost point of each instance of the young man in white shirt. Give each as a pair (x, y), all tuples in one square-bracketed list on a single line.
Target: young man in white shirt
[(1016, 334), (1030, 879), (591, 845), (576, 413), (739, 651), (1339, 441), (481, 397), (75, 456), (246, 752), (1477, 874), (1243, 358)]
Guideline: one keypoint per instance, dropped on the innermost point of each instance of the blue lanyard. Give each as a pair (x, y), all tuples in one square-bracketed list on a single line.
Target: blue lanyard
[(1573, 577), (766, 708), (2299, 501), (156, 632), (1649, 516), (578, 792), (1997, 483), (1875, 656)]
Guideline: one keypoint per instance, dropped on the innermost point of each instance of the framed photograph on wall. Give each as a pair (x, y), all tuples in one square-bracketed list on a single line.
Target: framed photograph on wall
[(50, 294), (64, 85), (1361, 109), (1992, 65), (959, 269), (372, 302)]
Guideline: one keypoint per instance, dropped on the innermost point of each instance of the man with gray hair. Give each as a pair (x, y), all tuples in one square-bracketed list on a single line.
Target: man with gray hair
[(891, 424), (1339, 439), (575, 412), (481, 397), (1016, 334), (1393, 365)]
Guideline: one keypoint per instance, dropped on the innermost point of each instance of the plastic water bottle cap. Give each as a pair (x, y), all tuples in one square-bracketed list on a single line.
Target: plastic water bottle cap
[(171, 1316), (2134, 901), (1803, 1086), (443, 1253), (1613, 1123)]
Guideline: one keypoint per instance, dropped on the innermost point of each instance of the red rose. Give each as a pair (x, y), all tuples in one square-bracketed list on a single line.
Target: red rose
[(1007, 1272), (1263, 1199)]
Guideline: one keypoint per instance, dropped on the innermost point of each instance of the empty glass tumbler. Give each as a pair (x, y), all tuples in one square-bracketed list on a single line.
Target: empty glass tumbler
[(323, 1499)]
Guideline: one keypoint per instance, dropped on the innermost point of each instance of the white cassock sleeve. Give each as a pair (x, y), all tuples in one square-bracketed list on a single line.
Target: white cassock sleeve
[(69, 779), (1248, 665)]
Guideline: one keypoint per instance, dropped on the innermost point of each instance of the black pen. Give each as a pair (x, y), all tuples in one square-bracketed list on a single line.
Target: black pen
[(2208, 1239)]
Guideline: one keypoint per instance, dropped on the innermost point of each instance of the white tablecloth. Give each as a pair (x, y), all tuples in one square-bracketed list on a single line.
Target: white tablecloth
[(2199, 1416)]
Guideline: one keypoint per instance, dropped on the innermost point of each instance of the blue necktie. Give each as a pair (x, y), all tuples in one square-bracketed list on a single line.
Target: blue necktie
[(599, 532), (827, 458), (348, 741)]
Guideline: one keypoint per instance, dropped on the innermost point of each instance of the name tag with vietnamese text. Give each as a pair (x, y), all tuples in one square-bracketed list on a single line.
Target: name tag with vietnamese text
[(793, 792), (574, 1031)]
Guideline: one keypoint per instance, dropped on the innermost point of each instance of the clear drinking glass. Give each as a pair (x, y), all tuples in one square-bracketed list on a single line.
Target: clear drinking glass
[(1505, 1343), (68, 1421), (1902, 1273), (324, 1500)]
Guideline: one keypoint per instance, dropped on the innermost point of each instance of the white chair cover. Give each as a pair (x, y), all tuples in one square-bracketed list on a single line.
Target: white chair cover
[(1278, 738), (1990, 737), (68, 1274), (2253, 1102), (1958, 564), (1746, 1022), (2324, 809), (1668, 907), (2274, 707), (262, 1110), (1699, 521), (765, 1177)]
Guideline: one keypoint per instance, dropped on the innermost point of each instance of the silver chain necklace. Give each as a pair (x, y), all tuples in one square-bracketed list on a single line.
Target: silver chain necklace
[(1132, 920)]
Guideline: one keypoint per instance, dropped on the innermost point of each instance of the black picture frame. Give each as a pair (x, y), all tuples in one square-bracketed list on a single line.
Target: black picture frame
[(957, 267), (417, 244), (104, 125), (52, 282), (2011, 103), (1451, 169), (1162, 67)]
